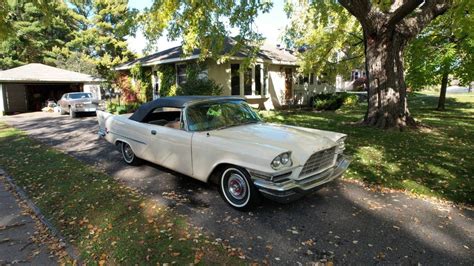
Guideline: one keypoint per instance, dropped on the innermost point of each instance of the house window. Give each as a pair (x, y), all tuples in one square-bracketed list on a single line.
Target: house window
[(258, 80), (307, 78), (181, 76), (300, 79), (235, 79), (248, 81)]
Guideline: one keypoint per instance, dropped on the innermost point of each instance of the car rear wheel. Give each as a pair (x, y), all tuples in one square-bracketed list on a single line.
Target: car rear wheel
[(237, 189), (128, 155)]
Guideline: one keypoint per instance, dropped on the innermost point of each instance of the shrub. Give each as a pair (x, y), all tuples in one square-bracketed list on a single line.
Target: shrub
[(199, 87), (351, 100), (111, 107), (167, 77), (115, 108), (333, 101)]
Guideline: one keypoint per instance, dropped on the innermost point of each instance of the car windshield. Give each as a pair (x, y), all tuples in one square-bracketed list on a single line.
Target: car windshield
[(217, 115), (80, 95)]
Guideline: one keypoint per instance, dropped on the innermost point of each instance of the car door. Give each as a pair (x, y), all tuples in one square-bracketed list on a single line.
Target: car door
[(132, 132), (171, 148)]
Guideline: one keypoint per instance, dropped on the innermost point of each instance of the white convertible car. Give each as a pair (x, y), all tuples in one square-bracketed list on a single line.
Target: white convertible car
[(222, 140)]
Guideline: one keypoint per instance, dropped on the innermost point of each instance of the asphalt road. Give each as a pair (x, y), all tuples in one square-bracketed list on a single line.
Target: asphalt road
[(344, 221)]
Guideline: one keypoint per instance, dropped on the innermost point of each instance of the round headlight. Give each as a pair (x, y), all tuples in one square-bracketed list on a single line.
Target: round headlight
[(285, 158), (276, 162)]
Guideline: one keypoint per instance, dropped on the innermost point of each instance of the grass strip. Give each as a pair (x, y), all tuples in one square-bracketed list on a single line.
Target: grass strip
[(106, 221)]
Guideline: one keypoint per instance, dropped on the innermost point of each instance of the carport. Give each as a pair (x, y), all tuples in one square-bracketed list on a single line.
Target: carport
[(27, 88)]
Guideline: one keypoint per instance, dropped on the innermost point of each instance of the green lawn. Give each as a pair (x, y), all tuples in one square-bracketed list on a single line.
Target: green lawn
[(437, 162), (106, 221)]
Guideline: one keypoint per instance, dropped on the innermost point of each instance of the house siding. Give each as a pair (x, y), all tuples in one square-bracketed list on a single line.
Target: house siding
[(220, 73), (276, 85)]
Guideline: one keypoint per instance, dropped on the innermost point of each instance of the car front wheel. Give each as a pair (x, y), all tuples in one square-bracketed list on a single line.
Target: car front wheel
[(237, 189), (128, 155)]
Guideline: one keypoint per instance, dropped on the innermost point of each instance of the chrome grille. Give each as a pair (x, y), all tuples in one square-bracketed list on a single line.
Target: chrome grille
[(319, 161)]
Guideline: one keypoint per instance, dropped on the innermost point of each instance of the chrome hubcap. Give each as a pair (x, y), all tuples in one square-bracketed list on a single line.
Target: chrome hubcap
[(236, 186), (128, 152)]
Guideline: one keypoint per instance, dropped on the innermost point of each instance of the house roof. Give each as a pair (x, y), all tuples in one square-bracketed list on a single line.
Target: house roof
[(177, 102), (267, 53), (39, 73)]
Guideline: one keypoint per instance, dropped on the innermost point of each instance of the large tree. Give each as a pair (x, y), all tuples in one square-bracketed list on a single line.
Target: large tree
[(387, 28), (444, 48)]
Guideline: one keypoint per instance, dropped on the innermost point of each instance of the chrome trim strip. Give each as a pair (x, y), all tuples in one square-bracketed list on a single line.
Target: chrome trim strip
[(256, 174), (138, 141)]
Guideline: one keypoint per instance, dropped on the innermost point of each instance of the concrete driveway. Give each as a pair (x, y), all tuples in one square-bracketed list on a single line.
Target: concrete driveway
[(344, 222)]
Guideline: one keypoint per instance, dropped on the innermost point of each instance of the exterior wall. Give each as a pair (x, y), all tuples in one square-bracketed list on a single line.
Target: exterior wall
[(15, 98), (220, 73), (276, 86), (93, 88)]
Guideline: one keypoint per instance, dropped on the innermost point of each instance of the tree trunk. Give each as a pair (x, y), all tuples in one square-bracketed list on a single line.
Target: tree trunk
[(387, 89), (442, 93), (386, 35)]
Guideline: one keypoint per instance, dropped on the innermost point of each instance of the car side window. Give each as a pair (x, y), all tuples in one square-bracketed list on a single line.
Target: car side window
[(165, 116)]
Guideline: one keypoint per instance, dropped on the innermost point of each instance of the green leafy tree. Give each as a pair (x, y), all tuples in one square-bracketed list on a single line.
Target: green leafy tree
[(76, 61), (103, 26), (329, 38), (444, 48), (205, 24), (30, 33)]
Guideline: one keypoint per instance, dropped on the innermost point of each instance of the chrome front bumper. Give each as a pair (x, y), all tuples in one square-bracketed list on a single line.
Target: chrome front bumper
[(85, 109), (292, 188)]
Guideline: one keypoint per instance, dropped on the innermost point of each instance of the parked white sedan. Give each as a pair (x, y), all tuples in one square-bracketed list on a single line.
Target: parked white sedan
[(222, 140)]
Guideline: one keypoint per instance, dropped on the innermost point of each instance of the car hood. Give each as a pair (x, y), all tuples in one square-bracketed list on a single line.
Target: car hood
[(302, 142)]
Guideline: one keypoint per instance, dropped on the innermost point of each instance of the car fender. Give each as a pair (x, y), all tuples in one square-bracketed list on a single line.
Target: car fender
[(208, 152)]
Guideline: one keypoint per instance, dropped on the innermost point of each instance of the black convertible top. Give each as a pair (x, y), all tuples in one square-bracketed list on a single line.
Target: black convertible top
[(176, 102)]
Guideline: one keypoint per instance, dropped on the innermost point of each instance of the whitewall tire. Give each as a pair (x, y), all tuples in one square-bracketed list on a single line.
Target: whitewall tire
[(128, 155), (237, 189)]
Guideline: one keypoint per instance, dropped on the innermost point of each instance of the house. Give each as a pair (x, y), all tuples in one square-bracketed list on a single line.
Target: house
[(271, 82), (355, 81), (27, 88)]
